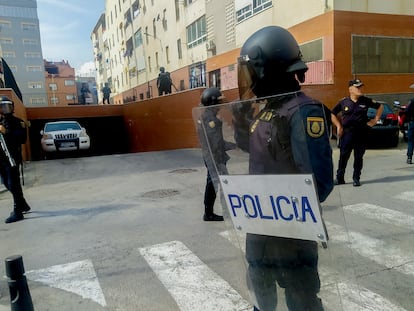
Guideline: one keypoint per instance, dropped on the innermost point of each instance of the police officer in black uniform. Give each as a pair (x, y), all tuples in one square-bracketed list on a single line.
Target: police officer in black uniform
[(289, 135), (164, 82), (14, 133), (409, 116), (210, 133), (352, 126)]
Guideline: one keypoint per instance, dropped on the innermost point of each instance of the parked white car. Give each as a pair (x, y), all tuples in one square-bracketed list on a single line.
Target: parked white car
[(64, 136)]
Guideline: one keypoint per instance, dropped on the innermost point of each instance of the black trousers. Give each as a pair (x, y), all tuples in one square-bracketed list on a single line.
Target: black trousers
[(210, 195), (352, 140), (11, 180)]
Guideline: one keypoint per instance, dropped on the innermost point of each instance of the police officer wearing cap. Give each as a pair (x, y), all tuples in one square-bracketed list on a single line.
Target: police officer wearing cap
[(287, 136), (350, 118), (210, 134), (14, 133)]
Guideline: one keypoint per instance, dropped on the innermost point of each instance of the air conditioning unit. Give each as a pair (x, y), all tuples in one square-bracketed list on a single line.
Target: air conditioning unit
[(210, 45)]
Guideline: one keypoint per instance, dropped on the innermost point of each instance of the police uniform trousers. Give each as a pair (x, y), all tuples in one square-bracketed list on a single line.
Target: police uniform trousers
[(353, 139), (410, 139), (209, 195), (292, 263), (11, 180)]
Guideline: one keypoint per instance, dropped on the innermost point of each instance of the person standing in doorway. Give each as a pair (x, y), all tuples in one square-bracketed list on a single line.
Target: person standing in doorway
[(349, 116)]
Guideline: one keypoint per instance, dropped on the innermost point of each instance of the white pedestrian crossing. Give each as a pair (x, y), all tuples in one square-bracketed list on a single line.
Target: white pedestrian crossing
[(192, 284), (381, 214)]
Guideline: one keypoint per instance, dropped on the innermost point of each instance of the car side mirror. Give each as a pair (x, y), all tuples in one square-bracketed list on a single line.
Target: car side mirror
[(42, 132)]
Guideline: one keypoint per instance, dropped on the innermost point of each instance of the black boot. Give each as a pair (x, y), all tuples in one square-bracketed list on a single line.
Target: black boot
[(22, 206), (339, 180), (409, 160), (16, 215), (212, 217)]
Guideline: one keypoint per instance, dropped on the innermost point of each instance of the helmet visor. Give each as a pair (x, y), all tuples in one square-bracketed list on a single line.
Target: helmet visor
[(6, 107), (246, 76)]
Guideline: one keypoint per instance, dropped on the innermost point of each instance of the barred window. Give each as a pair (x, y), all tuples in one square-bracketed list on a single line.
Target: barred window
[(382, 54)]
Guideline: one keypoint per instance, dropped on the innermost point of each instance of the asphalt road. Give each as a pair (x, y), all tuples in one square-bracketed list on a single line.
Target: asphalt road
[(124, 232)]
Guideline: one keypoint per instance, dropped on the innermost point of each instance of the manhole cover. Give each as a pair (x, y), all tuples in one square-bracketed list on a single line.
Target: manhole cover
[(184, 171), (161, 193)]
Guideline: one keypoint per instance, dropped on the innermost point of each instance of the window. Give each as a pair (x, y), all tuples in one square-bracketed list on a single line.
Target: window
[(32, 55), (54, 100), (28, 26), (4, 41), (37, 101), (167, 54), (138, 38), (69, 82), (197, 74), (9, 54), (312, 51), (135, 9), (5, 24), (260, 5), (196, 32), (252, 8), (30, 42), (179, 49), (35, 85), (53, 86), (33, 68), (382, 55)]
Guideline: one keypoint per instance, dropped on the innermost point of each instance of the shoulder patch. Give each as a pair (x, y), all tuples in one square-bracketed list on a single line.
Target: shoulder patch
[(315, 126), (211, 124)]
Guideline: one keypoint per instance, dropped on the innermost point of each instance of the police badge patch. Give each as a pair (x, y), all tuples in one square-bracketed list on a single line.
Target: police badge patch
[(315, 126)]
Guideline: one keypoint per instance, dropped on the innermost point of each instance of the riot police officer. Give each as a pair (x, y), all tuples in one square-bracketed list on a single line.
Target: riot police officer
[(14, 133), (288, 135), (210, 125)]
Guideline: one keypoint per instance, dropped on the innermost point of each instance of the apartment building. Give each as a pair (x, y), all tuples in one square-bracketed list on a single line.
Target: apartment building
[(60, 84), (339, 39), (21, 48)]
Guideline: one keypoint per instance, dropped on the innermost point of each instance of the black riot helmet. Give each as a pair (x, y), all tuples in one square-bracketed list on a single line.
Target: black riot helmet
[(270, 63), (211, 96), (6, 105)]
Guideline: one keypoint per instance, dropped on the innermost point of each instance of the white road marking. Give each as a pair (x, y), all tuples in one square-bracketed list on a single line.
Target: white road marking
[(337, 295), (376, 250), (192, 284), (75, 277), (408, 196), (382, 214)]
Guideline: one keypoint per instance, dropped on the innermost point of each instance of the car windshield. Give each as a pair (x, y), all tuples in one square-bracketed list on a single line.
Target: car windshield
[(372, 111), (51, 127)]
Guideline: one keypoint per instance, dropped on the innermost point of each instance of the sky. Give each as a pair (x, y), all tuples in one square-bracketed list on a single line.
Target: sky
[(65, 31)]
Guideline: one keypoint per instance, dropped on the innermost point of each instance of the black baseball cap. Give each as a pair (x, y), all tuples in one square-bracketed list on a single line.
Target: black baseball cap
[(355, 82)]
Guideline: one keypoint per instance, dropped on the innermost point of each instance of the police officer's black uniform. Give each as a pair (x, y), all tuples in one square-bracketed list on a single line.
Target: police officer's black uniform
[(14, 137), (354, 123), (278, 144), (409, 115), (210, 134)]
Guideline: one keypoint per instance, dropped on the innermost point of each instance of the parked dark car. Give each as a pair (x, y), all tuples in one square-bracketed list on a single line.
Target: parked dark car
[(386, 132)]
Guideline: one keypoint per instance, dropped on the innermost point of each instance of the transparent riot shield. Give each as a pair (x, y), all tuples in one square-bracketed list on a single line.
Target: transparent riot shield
[(272, 159)]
